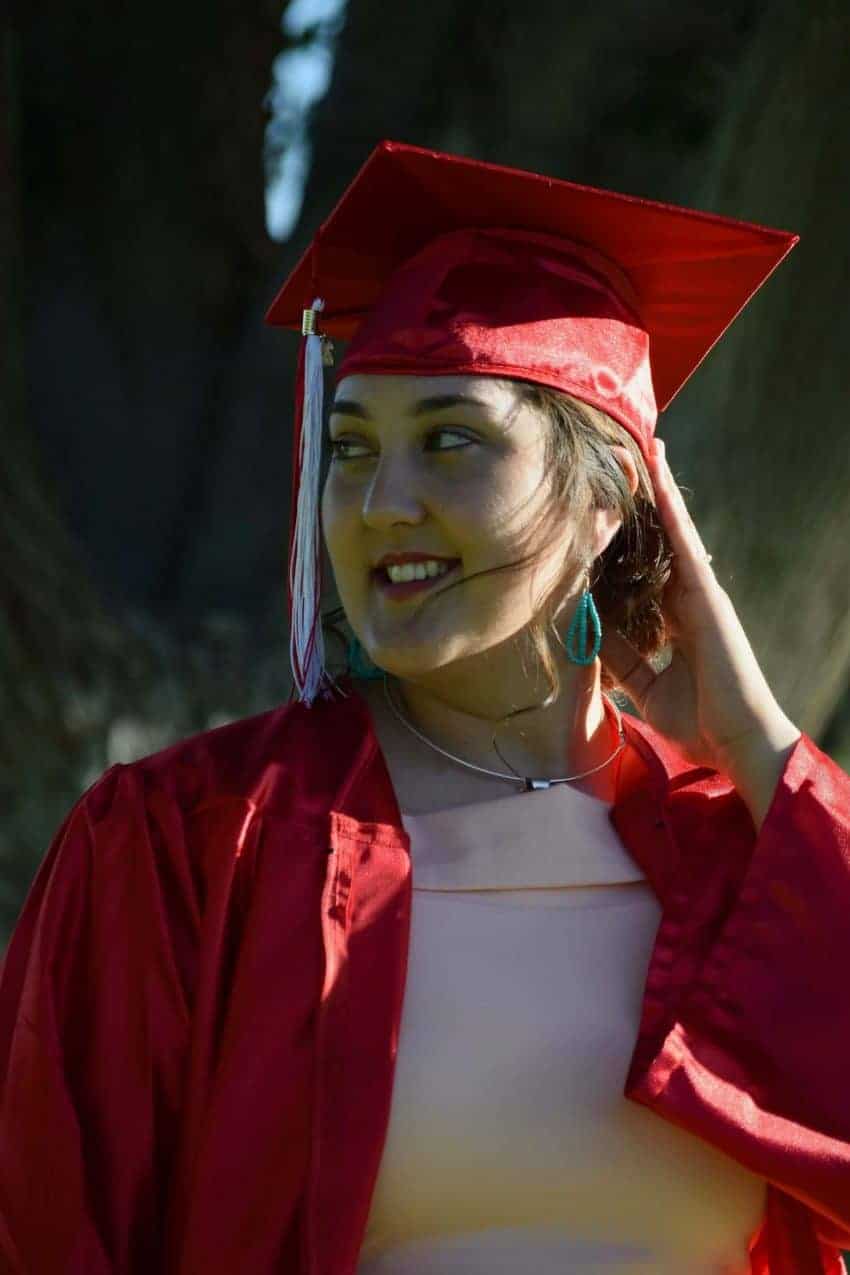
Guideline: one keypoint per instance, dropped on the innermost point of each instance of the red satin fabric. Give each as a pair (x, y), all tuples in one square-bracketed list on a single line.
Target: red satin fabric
[(516, 304), (200, 1003)]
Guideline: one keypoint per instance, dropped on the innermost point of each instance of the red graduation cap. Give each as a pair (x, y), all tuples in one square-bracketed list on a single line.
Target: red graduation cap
[(434, 264)]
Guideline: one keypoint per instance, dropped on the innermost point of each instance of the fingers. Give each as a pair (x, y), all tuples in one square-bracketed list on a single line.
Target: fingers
[(686, 541)]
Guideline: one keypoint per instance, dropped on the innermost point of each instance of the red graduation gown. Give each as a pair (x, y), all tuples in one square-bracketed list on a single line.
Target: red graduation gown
[(200, 1004)]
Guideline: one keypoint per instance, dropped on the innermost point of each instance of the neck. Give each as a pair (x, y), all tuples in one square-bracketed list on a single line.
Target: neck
[(459, 709)]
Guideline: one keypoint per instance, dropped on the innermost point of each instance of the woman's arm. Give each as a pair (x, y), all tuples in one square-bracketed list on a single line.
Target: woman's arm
[(756, 765)]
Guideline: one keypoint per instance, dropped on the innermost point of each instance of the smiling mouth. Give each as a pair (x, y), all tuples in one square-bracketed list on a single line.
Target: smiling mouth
[(409, 588)]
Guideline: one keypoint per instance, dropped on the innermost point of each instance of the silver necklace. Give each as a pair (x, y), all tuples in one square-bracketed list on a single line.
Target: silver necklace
[(528, 783)]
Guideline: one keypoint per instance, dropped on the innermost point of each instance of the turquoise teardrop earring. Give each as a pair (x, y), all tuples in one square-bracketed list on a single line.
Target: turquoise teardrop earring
[(578, 630), (357, 663)]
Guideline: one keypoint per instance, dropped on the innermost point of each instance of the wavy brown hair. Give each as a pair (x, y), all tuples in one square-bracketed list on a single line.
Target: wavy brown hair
[(628, 578)]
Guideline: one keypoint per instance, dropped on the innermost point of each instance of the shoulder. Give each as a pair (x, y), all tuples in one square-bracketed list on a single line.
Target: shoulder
[(271, 759), (223, 759), (695, 831), (161, 817)]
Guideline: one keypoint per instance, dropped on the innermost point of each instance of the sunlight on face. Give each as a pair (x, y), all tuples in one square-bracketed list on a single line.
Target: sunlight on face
[(466, 478)]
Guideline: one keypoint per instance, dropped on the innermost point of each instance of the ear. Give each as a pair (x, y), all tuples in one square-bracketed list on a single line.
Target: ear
[(627, 464)]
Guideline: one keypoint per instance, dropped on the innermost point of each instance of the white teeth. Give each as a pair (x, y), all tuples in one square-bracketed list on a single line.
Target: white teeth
[(416, 571)]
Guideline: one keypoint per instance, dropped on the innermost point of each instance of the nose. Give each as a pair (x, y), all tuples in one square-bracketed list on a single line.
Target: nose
[(391, 496)]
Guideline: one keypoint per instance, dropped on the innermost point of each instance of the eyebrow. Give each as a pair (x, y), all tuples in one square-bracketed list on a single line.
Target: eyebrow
[(348, 406)]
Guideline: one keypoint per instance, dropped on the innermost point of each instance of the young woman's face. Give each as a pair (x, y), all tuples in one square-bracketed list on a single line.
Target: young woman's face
[(452, 466)]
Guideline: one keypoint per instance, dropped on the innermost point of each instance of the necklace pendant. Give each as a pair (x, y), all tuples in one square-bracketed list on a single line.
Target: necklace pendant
[(533, 785)]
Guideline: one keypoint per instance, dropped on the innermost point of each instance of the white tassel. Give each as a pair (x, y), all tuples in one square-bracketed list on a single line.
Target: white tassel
[(306, 640)]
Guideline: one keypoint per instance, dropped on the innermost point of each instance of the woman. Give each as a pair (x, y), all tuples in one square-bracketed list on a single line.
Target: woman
[(365, 983)]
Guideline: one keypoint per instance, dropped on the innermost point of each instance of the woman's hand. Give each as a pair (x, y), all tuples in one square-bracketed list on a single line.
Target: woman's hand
[(712, 699)]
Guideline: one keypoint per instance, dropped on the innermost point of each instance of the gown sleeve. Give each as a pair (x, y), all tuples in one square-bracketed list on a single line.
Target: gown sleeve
[(754, 1052), (93, 1026)]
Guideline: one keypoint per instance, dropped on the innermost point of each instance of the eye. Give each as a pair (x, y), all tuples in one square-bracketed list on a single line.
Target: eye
[(337, 444)]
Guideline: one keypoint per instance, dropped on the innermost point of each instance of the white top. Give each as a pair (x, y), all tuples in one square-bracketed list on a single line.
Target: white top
[(510, 1145)]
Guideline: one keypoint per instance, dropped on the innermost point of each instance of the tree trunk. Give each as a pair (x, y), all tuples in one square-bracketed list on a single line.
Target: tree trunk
[(761, 431)]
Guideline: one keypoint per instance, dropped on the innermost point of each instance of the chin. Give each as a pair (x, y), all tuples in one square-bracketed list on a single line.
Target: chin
[(411, 662)]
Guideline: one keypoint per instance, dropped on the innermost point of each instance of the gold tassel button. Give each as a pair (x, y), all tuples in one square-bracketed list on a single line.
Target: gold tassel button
[(308, 328)]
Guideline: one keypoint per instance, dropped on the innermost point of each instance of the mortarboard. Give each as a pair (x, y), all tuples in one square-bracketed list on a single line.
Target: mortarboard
[(434, 264)]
